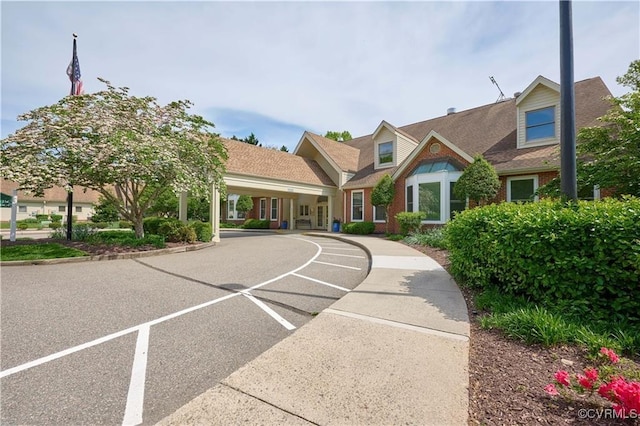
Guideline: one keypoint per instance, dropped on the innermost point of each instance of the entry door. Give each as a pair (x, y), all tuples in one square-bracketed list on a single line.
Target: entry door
[(321, 217)]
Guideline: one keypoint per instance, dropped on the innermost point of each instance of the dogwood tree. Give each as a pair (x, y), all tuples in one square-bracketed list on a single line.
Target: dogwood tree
[(130, 149)]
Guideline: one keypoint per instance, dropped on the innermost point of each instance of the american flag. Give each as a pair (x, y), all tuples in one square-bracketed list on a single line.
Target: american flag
[(73, 71)]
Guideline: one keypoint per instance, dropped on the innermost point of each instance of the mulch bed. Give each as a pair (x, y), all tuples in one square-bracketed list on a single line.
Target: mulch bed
[(507, 377)]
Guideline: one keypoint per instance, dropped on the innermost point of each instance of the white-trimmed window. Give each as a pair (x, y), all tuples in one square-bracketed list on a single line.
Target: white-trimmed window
[(540, 124), (304, 209), (274, 209), (263, 208), (522, 188), (78, 209), (385, 153), (429, 189), (379, 214), (357, 204), (231, 208), (62, 209), (22, 209)]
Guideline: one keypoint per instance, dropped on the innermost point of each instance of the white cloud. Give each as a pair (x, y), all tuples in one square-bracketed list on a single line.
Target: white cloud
[(318, 66)]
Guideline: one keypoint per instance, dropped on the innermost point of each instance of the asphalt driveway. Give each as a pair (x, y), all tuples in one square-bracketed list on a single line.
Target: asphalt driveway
[(130, 341)]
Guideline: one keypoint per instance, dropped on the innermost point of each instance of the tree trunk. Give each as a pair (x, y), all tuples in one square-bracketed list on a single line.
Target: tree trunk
[(138, 227)]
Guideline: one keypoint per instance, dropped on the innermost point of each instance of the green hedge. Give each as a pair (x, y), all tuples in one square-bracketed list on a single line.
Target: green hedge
[(410, 221), (360, 228), (41, 217), (255, 224), (203, 231), (582, 259)]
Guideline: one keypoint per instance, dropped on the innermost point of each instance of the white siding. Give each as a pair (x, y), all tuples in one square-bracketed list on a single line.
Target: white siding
[(404, 148), (540, 97), (385, 135)]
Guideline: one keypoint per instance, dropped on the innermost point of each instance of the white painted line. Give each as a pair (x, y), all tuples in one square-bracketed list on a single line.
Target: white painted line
[(343, 255), (340, 266), (124, 332), (135, 398), (286, 324), (399, 325), (322, 282)]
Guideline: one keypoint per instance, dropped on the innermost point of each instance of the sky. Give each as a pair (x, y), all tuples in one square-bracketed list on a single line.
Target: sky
[(276, 69)]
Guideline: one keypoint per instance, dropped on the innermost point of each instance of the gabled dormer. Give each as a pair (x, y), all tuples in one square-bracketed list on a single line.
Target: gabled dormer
[(391, 146), (538, 114)]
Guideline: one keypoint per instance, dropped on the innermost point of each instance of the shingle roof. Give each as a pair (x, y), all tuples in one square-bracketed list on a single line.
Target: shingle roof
[(489, 130), (251, 160), (345, 156), (54, 194)]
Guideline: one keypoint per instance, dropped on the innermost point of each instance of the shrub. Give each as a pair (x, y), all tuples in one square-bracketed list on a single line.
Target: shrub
[(431, 237), (152, 224), (125, 224), (55, 225), (228, 225), (56, 217), (41, 217), (175, 231), (409, 221), (360, 228), (203, 231), (126, 238), (581, 258), (30, 220), (22, 226), (101, 225), (255, 224)]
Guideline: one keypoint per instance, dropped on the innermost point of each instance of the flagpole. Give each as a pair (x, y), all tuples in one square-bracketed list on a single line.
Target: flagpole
[(70, 189)]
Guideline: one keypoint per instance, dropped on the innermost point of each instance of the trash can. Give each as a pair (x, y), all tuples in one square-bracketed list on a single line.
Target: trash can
[(285, 224), (336, 226)]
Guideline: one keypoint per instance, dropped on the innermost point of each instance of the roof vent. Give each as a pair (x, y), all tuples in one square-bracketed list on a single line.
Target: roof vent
[(515, 95), (451, 110)]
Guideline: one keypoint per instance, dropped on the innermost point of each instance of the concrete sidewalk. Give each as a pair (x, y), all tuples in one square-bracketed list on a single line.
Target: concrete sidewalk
[(392, 351)]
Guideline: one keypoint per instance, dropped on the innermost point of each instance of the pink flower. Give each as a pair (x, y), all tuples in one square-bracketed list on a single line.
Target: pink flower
[(562, 377), (592, 374), (584, 381), (611, 354), (551, 389)]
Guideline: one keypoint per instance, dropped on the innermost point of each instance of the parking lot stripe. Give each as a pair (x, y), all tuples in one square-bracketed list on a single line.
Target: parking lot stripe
[(321, 282), (343, 255), (341, 248), (286, 324), (340, 266), (135, 398)]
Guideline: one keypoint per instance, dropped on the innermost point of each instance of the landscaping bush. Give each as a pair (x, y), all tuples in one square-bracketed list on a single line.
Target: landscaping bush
[(434, 237), (175, 231), (126, 238), (582, 258), (56, 218), (360, 228), (30, 220), (125, 224), (203, 231), (228, 225), (151, 224), (410, 221), (22, 226), (55, 225), (255, 224), (101, 225), (41, 217)]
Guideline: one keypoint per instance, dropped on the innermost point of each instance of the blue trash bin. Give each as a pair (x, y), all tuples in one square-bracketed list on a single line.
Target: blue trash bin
[(285, 224), (336, 226)]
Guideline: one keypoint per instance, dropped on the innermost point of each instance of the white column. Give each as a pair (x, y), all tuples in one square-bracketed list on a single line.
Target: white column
[(215, 213), (330, 214), (182, 209), (292, 224)]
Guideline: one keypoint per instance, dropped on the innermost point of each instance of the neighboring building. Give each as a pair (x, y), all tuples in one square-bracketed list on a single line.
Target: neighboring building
[(54, 201), (324, 179)]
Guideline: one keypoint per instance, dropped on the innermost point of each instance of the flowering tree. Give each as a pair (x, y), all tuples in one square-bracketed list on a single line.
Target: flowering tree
[(130, 149)]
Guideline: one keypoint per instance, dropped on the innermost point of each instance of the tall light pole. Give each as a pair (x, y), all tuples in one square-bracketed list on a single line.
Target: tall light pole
[(568, 178)]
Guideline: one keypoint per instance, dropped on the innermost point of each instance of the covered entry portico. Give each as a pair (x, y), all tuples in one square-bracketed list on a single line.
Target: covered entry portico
[(287, 187)]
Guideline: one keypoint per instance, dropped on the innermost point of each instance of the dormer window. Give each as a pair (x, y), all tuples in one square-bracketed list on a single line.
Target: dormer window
[(385, 153), (541, 124)]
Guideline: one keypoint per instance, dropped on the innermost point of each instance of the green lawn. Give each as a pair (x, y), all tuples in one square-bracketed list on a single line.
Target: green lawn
[(38, 251)]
